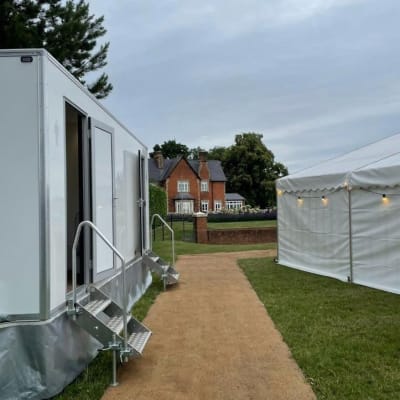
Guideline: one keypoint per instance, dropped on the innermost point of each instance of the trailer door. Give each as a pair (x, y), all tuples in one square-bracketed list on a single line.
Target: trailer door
[(142, 202), (102, 198)]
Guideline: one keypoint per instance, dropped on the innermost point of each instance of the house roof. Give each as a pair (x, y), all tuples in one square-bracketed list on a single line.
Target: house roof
[(161, 174), (234, 197)]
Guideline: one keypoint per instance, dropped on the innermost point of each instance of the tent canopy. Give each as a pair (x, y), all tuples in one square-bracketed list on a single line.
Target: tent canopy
[(374, 165)]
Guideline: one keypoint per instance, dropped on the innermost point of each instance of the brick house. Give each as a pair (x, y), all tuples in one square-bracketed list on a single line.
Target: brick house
[(191, 185)]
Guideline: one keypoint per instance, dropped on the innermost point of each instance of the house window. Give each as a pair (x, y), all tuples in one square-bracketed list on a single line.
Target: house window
[(204, 206), (204, 186), (217, 205), (234, 204), (184, 206), (183, 186)]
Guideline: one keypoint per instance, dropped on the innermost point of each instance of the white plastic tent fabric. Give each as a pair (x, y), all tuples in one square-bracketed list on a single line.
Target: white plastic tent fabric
[(341, 218)]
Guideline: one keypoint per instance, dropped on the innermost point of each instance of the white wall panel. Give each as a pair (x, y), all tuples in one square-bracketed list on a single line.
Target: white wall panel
[(19, 180), (313, 234), (376, 239)]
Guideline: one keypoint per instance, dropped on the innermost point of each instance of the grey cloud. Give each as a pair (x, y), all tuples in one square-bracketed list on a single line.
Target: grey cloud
[(316, 77)]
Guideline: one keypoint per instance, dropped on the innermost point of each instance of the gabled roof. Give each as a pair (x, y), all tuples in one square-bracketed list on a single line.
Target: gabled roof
[(161, 174)]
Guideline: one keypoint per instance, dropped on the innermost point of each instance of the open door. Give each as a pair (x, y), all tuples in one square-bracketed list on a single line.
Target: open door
[(102, 173), (77, 197)]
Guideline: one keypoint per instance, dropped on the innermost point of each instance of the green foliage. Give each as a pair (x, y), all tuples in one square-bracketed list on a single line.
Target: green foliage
[(158, 200), (194, 152), (217, 153), (251, 170), (171, 149), (66, 29), (344, 337)]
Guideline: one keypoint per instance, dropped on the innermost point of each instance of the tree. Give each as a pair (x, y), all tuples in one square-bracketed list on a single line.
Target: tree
[(66, 29), (251, 169), (217, 153), (171, 149)]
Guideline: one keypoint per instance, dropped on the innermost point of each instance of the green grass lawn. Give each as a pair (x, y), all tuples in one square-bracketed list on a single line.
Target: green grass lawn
[(345, 338)]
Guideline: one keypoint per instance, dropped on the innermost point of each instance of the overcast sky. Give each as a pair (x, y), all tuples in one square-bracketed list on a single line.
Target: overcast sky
[(316, 77)]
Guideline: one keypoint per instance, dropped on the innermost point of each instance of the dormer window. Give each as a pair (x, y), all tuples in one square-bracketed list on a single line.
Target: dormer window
[(204, 186), (183, 186)]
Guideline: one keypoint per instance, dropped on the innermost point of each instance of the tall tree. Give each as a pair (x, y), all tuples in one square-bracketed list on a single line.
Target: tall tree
[(251, 169), (171, 149), (65, 28), (217, 153)]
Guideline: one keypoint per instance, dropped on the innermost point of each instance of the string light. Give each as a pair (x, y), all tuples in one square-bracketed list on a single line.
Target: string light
[(299, 201)]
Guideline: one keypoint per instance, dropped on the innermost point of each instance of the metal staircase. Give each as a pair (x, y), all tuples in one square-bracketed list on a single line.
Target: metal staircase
[(104, 319), (156, 264)]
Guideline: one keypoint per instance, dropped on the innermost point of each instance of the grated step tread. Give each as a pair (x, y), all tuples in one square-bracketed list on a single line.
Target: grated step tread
[(116, 323), (96, 306), (138, 340)]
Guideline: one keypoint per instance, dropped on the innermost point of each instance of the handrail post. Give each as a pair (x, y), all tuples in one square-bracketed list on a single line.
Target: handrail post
[(169, 228), (123, 266)]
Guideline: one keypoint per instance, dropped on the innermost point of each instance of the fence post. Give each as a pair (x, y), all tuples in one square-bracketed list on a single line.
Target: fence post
[(200, 227)]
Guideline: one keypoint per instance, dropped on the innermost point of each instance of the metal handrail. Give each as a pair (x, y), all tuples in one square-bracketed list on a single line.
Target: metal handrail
[(118, 254), (172, 235)]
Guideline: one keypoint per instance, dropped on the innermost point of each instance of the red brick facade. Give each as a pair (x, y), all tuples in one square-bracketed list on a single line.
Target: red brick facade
[(191, 185), (183, 172)]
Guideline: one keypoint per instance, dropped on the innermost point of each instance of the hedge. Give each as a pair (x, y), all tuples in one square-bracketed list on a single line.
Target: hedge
[(158, 200)]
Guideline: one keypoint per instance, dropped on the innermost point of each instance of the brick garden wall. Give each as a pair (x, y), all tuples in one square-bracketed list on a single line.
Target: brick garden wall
[(242, 235)]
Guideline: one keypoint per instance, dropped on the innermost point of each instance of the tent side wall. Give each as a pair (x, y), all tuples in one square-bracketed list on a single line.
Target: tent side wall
[(21, 277), (314, 232), (376, 238)]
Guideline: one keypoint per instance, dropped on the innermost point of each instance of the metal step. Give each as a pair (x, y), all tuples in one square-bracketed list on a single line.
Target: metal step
[(96, 306), (103, 319), (116, 323), (172, 276), (160, 267), (138, 340)]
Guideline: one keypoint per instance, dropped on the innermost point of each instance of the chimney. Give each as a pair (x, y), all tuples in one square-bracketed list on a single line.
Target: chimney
[(203, 156), (159, 159)]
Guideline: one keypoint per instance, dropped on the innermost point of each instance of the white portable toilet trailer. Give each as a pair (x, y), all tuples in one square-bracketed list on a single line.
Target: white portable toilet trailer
[(65, 159)]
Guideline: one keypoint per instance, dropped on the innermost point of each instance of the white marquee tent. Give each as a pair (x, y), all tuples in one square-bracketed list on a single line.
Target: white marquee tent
[(341, 218)]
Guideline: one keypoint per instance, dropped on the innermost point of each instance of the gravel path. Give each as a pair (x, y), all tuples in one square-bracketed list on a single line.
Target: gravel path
[(212, 339)]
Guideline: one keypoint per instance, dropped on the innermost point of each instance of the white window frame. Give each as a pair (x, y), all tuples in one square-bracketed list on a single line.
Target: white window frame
[(183, 186), (204, 186), (204, 206), (184, 206), (217, 205), (234, 204)]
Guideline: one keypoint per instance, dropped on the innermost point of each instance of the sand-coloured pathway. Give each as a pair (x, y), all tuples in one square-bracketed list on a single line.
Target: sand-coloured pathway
[(212, 339)]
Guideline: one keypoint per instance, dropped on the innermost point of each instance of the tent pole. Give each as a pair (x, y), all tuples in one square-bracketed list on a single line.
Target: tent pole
[(350, 278), (277, 229)]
